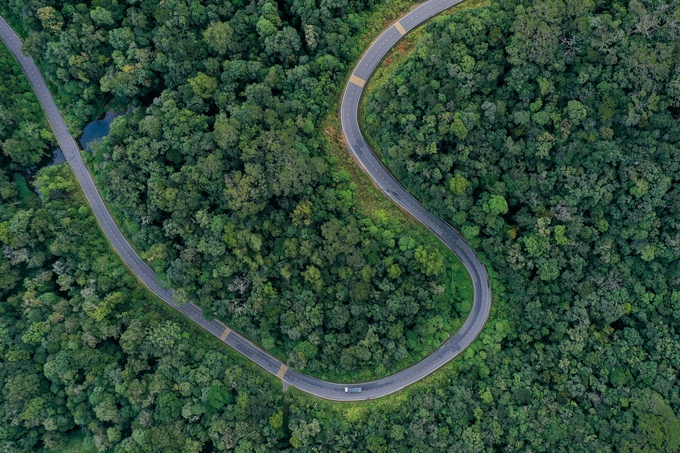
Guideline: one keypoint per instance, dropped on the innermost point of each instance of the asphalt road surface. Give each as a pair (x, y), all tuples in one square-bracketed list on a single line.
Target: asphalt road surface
[(350, 125)]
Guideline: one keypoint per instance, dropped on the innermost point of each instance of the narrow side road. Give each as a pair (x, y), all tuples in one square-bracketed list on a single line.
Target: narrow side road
[(350, 125)]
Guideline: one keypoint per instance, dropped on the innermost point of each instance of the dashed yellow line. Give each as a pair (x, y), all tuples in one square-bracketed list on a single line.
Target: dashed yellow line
[(357, 81), (282, 371)]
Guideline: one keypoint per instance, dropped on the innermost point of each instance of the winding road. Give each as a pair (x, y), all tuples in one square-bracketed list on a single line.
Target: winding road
[(359, 148)]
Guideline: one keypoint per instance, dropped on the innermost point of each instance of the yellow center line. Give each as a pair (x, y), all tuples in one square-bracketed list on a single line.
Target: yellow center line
[(282, 371), (225, 334), (357, 81)]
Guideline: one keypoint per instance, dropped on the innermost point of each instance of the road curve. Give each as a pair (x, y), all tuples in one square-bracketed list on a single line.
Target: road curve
[(350, 125)]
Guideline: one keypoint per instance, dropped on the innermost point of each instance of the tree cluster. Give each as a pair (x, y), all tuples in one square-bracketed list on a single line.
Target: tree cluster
[(82, 347)]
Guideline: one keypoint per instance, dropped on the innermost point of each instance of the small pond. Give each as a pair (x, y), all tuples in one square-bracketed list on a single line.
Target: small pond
[(96, 130)]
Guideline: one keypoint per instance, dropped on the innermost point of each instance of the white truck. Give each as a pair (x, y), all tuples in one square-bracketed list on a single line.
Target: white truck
[(352, 389)]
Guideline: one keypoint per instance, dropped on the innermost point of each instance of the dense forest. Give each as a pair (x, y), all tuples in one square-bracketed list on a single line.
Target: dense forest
[(545, 130), (548, 133), (222, 177), (82, 345)]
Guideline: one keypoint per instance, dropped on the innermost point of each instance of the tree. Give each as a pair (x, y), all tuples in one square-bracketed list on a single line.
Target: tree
[(658, 429), (219, 36), (496, 205), (50, 18), (203, 85), (459, 184)]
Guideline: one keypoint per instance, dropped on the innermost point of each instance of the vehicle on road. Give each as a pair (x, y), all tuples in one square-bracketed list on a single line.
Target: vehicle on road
[(352, 389)]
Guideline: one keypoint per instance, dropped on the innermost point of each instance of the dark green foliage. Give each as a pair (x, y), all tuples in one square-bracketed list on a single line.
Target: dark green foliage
[(82, 346), (548, 133)]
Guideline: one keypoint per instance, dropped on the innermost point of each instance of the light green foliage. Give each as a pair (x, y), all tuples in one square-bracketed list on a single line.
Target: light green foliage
[(459, 184), (430, 260), (36, 333), (50, 18), (102, 17), (559, 235), (219, 36), (276, 420), (577, 112), (470, 231), (302, 215), (203, 85), (313, 276), (458, 127), (496, 205), (658, 428)]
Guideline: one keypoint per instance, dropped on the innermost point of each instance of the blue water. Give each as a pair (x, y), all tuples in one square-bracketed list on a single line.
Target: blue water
[(98, 129), (59, 157)]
